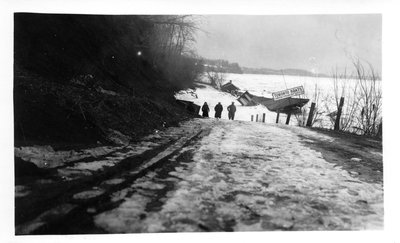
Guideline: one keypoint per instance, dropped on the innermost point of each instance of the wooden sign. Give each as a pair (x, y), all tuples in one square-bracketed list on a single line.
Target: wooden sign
[(288, 93)]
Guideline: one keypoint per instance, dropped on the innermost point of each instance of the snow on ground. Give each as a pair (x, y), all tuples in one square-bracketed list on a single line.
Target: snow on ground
[(248, 177), (46, 157), (243, 113), (265, 85)]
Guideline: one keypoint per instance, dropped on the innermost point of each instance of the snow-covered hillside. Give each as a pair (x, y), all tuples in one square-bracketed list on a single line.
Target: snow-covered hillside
[(212, 97), (317, 89)]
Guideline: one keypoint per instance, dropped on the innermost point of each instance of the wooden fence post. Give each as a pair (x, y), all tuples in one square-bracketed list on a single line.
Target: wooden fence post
[(310, 115), (252, 116), (257, 118), (263, 120), (288, 118), (339, 113), (277, 117)]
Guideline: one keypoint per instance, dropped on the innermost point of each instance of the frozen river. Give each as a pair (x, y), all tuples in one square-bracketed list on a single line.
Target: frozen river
[(266, 84), (318, 89)]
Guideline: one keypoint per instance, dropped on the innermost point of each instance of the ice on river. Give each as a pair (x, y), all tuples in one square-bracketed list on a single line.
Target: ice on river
[(265, 85)]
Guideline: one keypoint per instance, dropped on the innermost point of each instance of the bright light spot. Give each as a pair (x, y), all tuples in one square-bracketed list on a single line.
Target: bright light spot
[(139, 53)]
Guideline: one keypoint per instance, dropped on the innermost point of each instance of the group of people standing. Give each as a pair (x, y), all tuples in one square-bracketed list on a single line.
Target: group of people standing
[(218, 110)]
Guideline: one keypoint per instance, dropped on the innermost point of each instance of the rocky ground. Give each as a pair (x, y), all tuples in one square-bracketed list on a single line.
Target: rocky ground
[(209, 175)]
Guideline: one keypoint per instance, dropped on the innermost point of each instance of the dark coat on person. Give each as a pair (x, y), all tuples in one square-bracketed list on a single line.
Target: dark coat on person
[(218, 110), (231, 111), (205, 109)]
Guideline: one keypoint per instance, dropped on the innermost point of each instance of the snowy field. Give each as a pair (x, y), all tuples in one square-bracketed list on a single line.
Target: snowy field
[(265, 85)]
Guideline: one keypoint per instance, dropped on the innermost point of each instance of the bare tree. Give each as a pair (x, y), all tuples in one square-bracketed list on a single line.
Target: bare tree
[(363, 100), (216, 76), (171, 35), (370, 97), (171, 47)]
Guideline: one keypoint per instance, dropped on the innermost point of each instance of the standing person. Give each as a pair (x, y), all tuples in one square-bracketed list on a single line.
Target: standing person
[(218, 110), (231, 111), (205, 109)]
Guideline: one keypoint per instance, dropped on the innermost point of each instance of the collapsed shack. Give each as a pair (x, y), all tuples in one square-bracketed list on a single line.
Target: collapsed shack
[(286, 105), (189, 106), (230, 88), (246, 99)]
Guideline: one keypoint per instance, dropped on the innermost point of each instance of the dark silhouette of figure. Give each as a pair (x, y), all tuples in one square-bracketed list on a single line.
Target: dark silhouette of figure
[(218, 110), (231, 111), (205, 109)]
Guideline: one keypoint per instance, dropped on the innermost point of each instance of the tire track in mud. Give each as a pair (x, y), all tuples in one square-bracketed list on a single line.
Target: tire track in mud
[(254, 179), (228, 176), (363, 165), (65, 214)]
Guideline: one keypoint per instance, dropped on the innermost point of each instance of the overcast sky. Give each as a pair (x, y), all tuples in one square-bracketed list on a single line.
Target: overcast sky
[(311, 42)]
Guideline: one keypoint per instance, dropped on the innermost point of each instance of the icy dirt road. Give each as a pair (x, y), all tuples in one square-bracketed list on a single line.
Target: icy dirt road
[(232, 176)]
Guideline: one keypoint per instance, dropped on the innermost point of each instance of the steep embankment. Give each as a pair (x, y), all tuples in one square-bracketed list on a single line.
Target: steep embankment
[(78, 80), (68, 114)]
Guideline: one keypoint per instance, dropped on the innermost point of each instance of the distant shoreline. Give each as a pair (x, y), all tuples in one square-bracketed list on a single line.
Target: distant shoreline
[(287, 71), (225, 66), (298, 75)]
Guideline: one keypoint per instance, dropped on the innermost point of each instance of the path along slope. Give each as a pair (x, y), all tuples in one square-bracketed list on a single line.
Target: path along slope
[(212, 175), (248, 177)]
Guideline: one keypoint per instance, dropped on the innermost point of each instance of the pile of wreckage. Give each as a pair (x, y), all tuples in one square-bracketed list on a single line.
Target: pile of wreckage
[(283, 105), (190, 106), (231, 88)]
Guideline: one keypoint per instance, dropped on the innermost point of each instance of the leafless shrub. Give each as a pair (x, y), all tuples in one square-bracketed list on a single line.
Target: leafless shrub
[(342, 87), (302, 116), (215, 76), (370, 98), (362, 95)]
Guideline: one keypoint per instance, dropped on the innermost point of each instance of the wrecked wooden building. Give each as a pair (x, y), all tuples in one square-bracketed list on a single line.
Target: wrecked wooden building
[(189, 106), (246, 99), (230, 88), (286, 105)]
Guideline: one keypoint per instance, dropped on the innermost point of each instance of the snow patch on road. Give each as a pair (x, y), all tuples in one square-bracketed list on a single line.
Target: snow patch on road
[(46, 157), (251, 176)]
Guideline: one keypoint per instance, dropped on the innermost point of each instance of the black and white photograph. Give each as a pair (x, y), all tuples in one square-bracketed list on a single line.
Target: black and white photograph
[(137, 122)]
